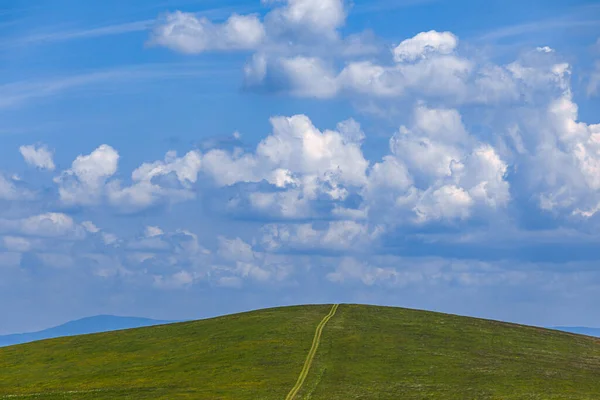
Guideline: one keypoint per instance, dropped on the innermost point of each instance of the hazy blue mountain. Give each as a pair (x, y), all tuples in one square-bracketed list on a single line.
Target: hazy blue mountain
[(99, 323), (579, 329)]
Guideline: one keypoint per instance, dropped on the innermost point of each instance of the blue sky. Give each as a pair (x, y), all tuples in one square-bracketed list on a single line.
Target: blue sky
[(183, 159)]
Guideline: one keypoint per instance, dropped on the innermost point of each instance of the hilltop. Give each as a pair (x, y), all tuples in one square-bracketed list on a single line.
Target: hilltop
[(365, 352)]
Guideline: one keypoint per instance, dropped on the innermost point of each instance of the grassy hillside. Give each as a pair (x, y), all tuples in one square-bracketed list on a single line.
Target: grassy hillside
[(365, 352)]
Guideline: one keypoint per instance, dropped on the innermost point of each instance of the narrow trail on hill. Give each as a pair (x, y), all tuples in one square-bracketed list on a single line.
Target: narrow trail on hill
[(311, 354)]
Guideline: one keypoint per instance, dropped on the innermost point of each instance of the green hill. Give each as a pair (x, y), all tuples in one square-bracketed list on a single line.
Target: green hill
[(365, 352)]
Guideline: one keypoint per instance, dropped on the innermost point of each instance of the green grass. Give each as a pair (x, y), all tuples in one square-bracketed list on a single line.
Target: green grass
[(365, 352)]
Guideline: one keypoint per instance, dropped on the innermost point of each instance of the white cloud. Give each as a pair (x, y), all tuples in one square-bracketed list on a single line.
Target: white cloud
[(49, 225), (309, 77), (446, 202), (109, 238), (185, 168), (423, 44), (88, 182), (56, 260), (288, 21), (349, 269), (336, 236), (17, 244), (90, 227), (38, 156), (144, 192), (152, 231), (235, 250), (300, 160), (436, 171), (575, 166), (545, 49), (314, 17), (186, 33), (9, 189), (440, 76), (84, 182), (175, 281)]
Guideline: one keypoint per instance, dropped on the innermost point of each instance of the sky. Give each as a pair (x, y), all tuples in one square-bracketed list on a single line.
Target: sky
[(184, 159)]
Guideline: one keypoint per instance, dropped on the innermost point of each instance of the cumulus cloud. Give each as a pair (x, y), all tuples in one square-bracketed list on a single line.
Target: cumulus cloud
[(558, 154), (335, 236), (17, 244), (145, 191), (290, 19), (301, 17), (11, 190), (298, 49), (423, 44), (436, 171), (49, 225), (427, 65), (177, 280), (152, 231), (84, 182), (38, 156), (303, 163), (186, 33), (350, 269), (176, 260), (446, 76), (88, 181), (90, 227)]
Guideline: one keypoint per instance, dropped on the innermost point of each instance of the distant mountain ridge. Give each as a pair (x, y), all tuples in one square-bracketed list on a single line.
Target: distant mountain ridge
[(95, 324), (580, 330)]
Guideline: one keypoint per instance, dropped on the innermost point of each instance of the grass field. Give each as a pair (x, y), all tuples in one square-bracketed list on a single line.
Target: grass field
[(365, 352)]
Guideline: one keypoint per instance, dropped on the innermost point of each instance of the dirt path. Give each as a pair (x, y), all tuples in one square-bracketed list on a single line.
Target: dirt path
[(311, 354)]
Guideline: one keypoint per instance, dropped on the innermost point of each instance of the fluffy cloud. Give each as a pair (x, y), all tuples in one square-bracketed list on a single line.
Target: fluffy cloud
[(301, 162), (88, 181), (319, 18), (335, 236), (84, 182), (425, 65), (559, 156), (436, 171), (38, 156), (572, 161), (423, 44), (351, 269), (186, 33), (145, 191), (303, 55), (11, 190), (175, 260), (298, 49), (48, 225), (291, 19), (17, 244)]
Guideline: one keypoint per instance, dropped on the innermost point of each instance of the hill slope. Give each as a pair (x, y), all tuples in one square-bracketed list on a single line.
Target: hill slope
[(365, 352), (99, 323)]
